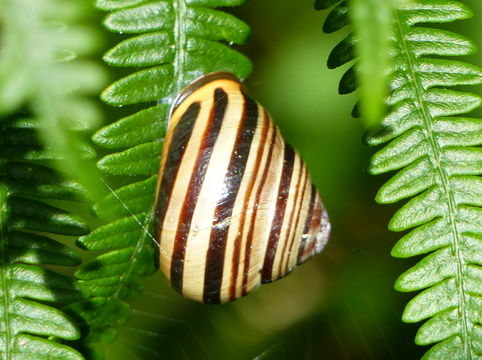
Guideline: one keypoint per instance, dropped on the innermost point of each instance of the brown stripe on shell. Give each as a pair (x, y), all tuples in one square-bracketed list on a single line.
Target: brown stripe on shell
[(281, 202), (291, 228), (294, 239), (306, 230), (181, 136), (265, 126), (249, 238), (209, 138), (234, 175)]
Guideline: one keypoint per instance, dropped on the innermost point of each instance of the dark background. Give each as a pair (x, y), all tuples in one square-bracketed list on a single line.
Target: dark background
[(340, 305)]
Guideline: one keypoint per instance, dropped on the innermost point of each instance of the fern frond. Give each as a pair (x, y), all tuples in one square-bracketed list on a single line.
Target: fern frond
[(173, 42), (439, 163), (43, 72), (29, 289), (45, 65)]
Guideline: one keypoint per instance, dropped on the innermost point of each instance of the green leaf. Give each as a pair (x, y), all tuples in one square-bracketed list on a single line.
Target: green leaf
[(156, 15), (139, 160), (142, 50), (434, 11), (25, 179), (142, 86), (35, 215), (216, 25), (438, 162), (117, 235), (337, 18), (144, 126), (131, 199), (173, 44), (427, 41), (210, 56), (342, 53), (35, 249)]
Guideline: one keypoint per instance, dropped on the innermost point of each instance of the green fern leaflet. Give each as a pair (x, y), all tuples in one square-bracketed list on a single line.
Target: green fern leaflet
[(174, 42), (28, 288), (439, 165)]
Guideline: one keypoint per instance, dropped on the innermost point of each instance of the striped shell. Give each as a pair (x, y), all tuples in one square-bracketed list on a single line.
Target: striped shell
[(235, 205)]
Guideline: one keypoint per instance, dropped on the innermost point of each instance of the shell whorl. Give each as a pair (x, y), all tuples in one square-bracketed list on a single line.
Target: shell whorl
[(235, 205)]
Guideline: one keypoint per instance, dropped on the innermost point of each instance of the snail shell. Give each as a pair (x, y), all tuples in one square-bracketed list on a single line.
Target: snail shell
[(235, 205)]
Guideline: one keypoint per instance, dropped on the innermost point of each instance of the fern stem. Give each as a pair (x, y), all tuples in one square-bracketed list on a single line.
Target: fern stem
[(130, 269), (3, 241), (435, 155), (180, 41)]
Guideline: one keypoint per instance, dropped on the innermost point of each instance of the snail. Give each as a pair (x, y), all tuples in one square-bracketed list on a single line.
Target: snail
[(235, 205)]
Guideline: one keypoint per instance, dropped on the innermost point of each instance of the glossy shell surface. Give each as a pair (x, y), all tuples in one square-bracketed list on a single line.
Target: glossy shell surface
[(235, 206)]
